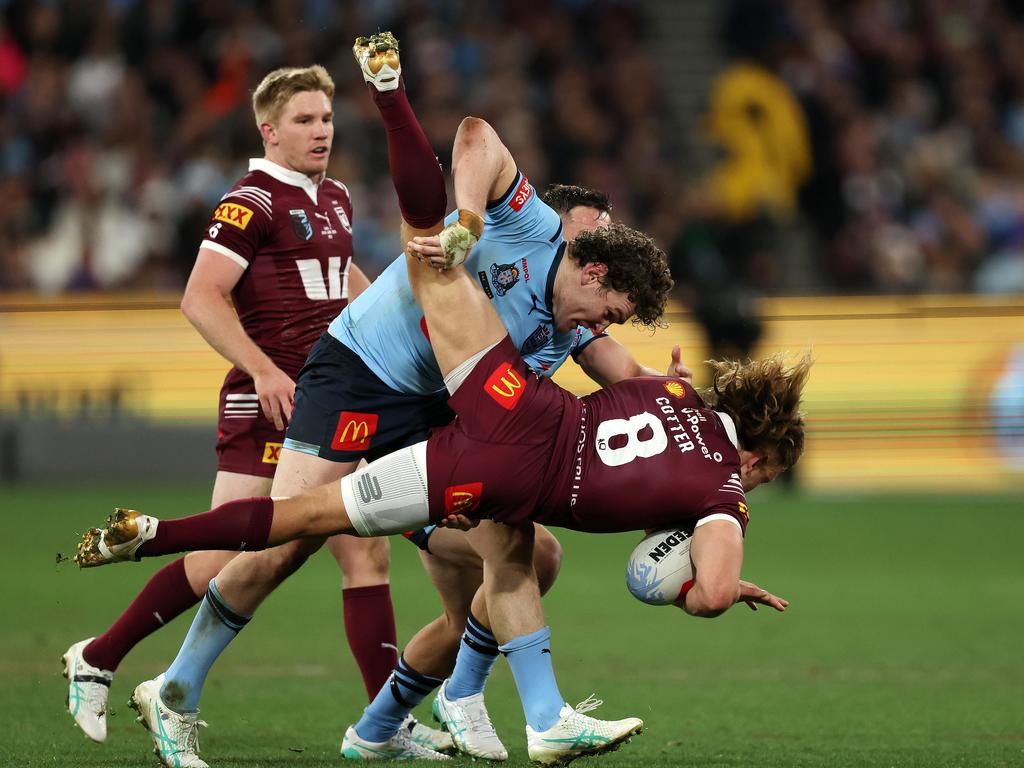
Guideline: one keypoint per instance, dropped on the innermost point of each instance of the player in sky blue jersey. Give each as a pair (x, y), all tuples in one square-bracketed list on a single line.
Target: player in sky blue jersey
[(346, 409), (515, 261)]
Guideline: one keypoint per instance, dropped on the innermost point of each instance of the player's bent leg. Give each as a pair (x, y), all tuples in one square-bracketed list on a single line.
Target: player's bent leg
[(387, 497), (250, 578), (428, 657), (461, 321), (368, 612)]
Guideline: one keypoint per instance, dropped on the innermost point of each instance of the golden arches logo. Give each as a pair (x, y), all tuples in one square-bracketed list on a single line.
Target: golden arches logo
[(461, 500), (505, 386), (354, 431), (360, 430), (508, 388)]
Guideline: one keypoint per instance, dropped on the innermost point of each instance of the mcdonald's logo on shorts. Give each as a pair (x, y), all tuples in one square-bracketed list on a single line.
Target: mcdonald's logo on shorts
[(354, 431), (271, 453), (505, 386), (462, 499)]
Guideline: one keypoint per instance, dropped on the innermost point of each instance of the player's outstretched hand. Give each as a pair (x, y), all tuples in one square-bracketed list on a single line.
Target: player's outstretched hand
[(459, 522), (677, 368), (754, 595), (277, 393)]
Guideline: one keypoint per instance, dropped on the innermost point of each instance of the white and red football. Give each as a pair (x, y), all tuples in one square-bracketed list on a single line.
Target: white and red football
[(660, 570)]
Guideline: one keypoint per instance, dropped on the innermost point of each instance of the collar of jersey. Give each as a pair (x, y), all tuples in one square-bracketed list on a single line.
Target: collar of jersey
[(730, 428), (285, 176), (549, 289)]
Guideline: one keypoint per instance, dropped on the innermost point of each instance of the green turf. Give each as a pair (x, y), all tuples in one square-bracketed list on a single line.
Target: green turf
[(902, 646)]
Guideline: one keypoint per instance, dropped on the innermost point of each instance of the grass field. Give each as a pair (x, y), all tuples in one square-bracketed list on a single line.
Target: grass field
[(902, 646)]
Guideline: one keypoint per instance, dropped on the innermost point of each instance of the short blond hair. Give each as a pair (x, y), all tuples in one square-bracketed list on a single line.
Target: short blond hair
[(279, 86)]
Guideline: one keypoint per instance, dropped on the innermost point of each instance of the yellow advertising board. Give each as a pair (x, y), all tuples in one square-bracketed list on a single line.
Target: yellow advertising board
[(906, 393)]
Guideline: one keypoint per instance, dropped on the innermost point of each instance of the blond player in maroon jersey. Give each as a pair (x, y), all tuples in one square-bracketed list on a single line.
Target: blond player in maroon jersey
[(274, 268)]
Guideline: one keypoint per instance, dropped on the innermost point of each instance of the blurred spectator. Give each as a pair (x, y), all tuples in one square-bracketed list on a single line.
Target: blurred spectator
[(892, 130), (121, 123)]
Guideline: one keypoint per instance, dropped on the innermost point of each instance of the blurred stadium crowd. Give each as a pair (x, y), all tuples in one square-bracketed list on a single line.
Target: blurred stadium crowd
[(883, 139)]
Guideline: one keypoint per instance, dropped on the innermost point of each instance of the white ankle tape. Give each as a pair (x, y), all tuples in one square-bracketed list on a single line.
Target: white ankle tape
[(390, 495)]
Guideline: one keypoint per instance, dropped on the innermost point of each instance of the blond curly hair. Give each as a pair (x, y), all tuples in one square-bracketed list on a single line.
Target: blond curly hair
[(763, 399)]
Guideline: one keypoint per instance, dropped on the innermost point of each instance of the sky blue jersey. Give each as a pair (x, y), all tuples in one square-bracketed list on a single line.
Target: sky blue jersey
[(515, 262)]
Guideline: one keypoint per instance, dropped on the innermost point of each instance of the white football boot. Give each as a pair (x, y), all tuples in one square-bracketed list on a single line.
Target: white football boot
[(399, 747), (576, 734), (88, 689), (428, 737), (469, 725), (126, 531), (175, 737), (377, 57)]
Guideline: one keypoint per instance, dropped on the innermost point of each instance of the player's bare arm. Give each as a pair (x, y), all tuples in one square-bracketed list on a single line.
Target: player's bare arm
[(357, 281), (717, 555), (606, 361), (207, 305), (482, 167)]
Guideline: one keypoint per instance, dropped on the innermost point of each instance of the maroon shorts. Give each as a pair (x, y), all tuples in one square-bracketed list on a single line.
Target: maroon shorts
[(247, 441), (492, 461)]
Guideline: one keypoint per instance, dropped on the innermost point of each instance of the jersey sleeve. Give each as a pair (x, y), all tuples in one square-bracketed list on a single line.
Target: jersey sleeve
[(240, 224), (520, 215), (729, 502), (584, 336)]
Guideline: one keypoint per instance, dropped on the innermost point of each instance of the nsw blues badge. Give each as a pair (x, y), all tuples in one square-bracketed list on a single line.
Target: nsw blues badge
[(300, 224), (504, 276)]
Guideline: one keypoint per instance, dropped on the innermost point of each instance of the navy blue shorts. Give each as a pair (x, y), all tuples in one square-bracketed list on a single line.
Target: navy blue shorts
[(344, 412), (421, 537)]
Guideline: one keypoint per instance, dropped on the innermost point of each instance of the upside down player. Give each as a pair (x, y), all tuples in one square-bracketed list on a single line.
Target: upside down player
[(274, 269), (643, 453)]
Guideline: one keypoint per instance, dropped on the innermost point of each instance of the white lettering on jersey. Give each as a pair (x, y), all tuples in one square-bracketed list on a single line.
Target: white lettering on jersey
[(316, 287)]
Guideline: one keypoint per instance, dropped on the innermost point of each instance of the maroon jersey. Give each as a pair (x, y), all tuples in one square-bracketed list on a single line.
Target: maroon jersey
[(644, 453), (294, 240)]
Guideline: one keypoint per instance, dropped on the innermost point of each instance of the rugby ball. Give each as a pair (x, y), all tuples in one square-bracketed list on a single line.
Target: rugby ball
[(659, 570)]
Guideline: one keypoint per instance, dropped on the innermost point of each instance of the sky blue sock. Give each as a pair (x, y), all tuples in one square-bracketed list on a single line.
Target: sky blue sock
[(529, 656), (477, 653), (214, 626), (401, 693)]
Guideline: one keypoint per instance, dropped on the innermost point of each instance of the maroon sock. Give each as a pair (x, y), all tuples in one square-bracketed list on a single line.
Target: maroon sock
[(370, 627), (167, 595), (414, 168), (242, 524)]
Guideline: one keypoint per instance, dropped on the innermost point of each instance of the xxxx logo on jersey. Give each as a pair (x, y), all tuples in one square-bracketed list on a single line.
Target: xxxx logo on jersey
[(271, 453), (462, 499), (233, 214), (354, 431), (505, 386)]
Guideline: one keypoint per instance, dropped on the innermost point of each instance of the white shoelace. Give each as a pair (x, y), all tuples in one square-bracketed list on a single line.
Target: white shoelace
[(589, 704)]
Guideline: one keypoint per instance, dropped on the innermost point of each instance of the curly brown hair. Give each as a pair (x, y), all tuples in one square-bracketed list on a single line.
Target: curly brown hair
[(636, 267), (763, 399), (564, 197)]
